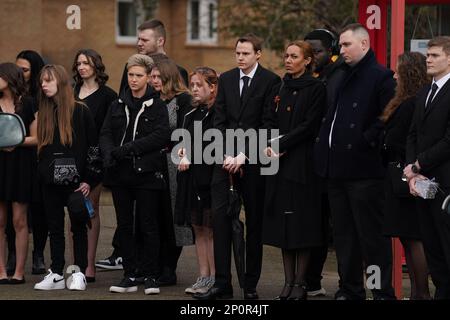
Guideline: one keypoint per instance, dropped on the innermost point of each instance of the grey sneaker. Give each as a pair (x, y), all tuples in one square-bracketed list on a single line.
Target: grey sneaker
[(200, 283), (209, 284)]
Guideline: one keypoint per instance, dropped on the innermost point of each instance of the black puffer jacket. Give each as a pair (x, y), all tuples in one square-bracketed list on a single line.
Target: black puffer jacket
[(150, 134)]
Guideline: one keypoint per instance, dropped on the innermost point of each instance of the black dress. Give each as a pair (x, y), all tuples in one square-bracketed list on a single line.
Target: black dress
[(193, 203), (292, 215), (98, 103), (401, 217), (17, 167)]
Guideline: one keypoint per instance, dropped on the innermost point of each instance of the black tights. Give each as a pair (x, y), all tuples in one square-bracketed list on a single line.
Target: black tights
[(295, 264), (417, 267)]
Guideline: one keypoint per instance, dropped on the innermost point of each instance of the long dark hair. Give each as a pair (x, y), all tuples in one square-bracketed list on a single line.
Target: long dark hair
[(412, 76), (95, 60), (13, 75), (36, 64)]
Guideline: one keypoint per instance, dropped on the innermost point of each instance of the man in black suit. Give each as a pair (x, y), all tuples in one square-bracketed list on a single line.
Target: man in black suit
[(347, 154), (242, 102), (428, 154)]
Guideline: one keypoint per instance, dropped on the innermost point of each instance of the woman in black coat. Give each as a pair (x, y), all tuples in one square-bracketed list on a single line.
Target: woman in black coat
[(134, 133), (292, 218), (401, 217), (193, 203)]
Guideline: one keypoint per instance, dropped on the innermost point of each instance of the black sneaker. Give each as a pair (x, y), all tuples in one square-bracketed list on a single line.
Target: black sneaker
[(151, 286), (111, 263), (125, 286)]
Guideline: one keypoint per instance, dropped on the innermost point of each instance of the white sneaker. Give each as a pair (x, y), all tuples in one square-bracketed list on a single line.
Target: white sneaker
[(317, 293), (52, 281), (77, 281), (199, 286)]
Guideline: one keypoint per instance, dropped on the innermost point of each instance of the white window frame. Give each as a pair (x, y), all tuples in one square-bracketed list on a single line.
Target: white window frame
[(127, 40), (204, 38)]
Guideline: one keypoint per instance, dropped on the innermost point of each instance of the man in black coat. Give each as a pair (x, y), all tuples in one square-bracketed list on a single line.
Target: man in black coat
[(327, 69), (242, 103), (347, 154), (428, 154)]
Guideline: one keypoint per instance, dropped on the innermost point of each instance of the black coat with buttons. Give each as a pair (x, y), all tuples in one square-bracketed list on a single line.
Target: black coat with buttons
[(150, 135), (359, 100)]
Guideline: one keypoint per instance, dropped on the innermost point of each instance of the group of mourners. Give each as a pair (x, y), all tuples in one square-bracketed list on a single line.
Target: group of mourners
[(353, 139)]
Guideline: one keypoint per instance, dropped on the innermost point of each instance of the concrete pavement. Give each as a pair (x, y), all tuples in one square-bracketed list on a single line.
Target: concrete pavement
[(270, 285)]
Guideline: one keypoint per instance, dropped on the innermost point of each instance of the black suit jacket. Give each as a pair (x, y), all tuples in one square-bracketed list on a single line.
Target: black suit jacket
[(429, 136), (255, 108)]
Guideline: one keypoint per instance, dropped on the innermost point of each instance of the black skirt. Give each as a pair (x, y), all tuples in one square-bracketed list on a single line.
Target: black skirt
[(17, 172), (400, 215)]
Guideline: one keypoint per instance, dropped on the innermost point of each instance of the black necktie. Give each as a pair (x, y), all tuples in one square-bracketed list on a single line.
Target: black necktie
[(434, 88), (246, 79)]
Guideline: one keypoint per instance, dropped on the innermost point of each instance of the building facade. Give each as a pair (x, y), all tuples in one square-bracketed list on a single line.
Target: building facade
[(59, 28)]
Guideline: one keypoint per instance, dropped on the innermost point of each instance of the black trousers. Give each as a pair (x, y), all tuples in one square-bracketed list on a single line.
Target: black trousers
[(55, 199), (251, 188), (435, 232), (148, 202), (318, 255), (356, 209)]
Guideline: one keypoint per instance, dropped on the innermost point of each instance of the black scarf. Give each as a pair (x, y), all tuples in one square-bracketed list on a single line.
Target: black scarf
[(305, 80)]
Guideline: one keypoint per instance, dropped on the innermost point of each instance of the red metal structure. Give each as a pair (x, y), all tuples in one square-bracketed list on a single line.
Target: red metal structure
[(374, 15)]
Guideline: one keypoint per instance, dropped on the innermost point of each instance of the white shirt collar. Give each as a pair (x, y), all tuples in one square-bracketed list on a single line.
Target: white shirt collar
[(251, 74), (441, 82)]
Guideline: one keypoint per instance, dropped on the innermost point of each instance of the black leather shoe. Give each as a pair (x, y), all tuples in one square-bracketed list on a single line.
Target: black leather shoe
[(250, 294), (215, 293), (38, 264), (298, 292), (17, 281), (286, 292)]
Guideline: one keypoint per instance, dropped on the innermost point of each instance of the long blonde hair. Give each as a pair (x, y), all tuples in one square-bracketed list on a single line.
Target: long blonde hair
[(172, 82), (56, 111)]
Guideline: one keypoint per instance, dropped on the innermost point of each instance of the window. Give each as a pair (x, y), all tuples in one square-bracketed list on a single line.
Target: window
[(202, 22), (126, 24)]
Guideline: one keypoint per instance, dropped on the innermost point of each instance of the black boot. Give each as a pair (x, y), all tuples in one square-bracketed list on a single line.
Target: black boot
[(11, 264), (38, 263)]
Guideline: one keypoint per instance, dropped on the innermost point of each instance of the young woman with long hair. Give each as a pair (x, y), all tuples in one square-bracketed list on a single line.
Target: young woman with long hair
[(193, 204), (69, 162), (31, 64), (401, 216), (16, 168), (166, 79), (91, 89)]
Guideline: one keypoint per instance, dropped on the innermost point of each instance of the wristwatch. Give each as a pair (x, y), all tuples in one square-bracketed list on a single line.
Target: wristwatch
[(415, 169)]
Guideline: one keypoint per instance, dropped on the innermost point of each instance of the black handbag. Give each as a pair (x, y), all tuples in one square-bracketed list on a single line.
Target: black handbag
[(399, 187), (65, 172)]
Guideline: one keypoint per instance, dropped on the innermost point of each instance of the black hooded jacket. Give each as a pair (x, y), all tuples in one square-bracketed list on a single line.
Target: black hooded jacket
[(142, 126)]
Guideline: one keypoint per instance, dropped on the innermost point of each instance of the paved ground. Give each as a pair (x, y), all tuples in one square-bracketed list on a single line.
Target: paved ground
[(269, 286)]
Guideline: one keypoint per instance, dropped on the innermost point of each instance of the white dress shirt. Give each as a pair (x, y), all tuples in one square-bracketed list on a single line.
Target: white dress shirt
[(250, 75), (440, 83)]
